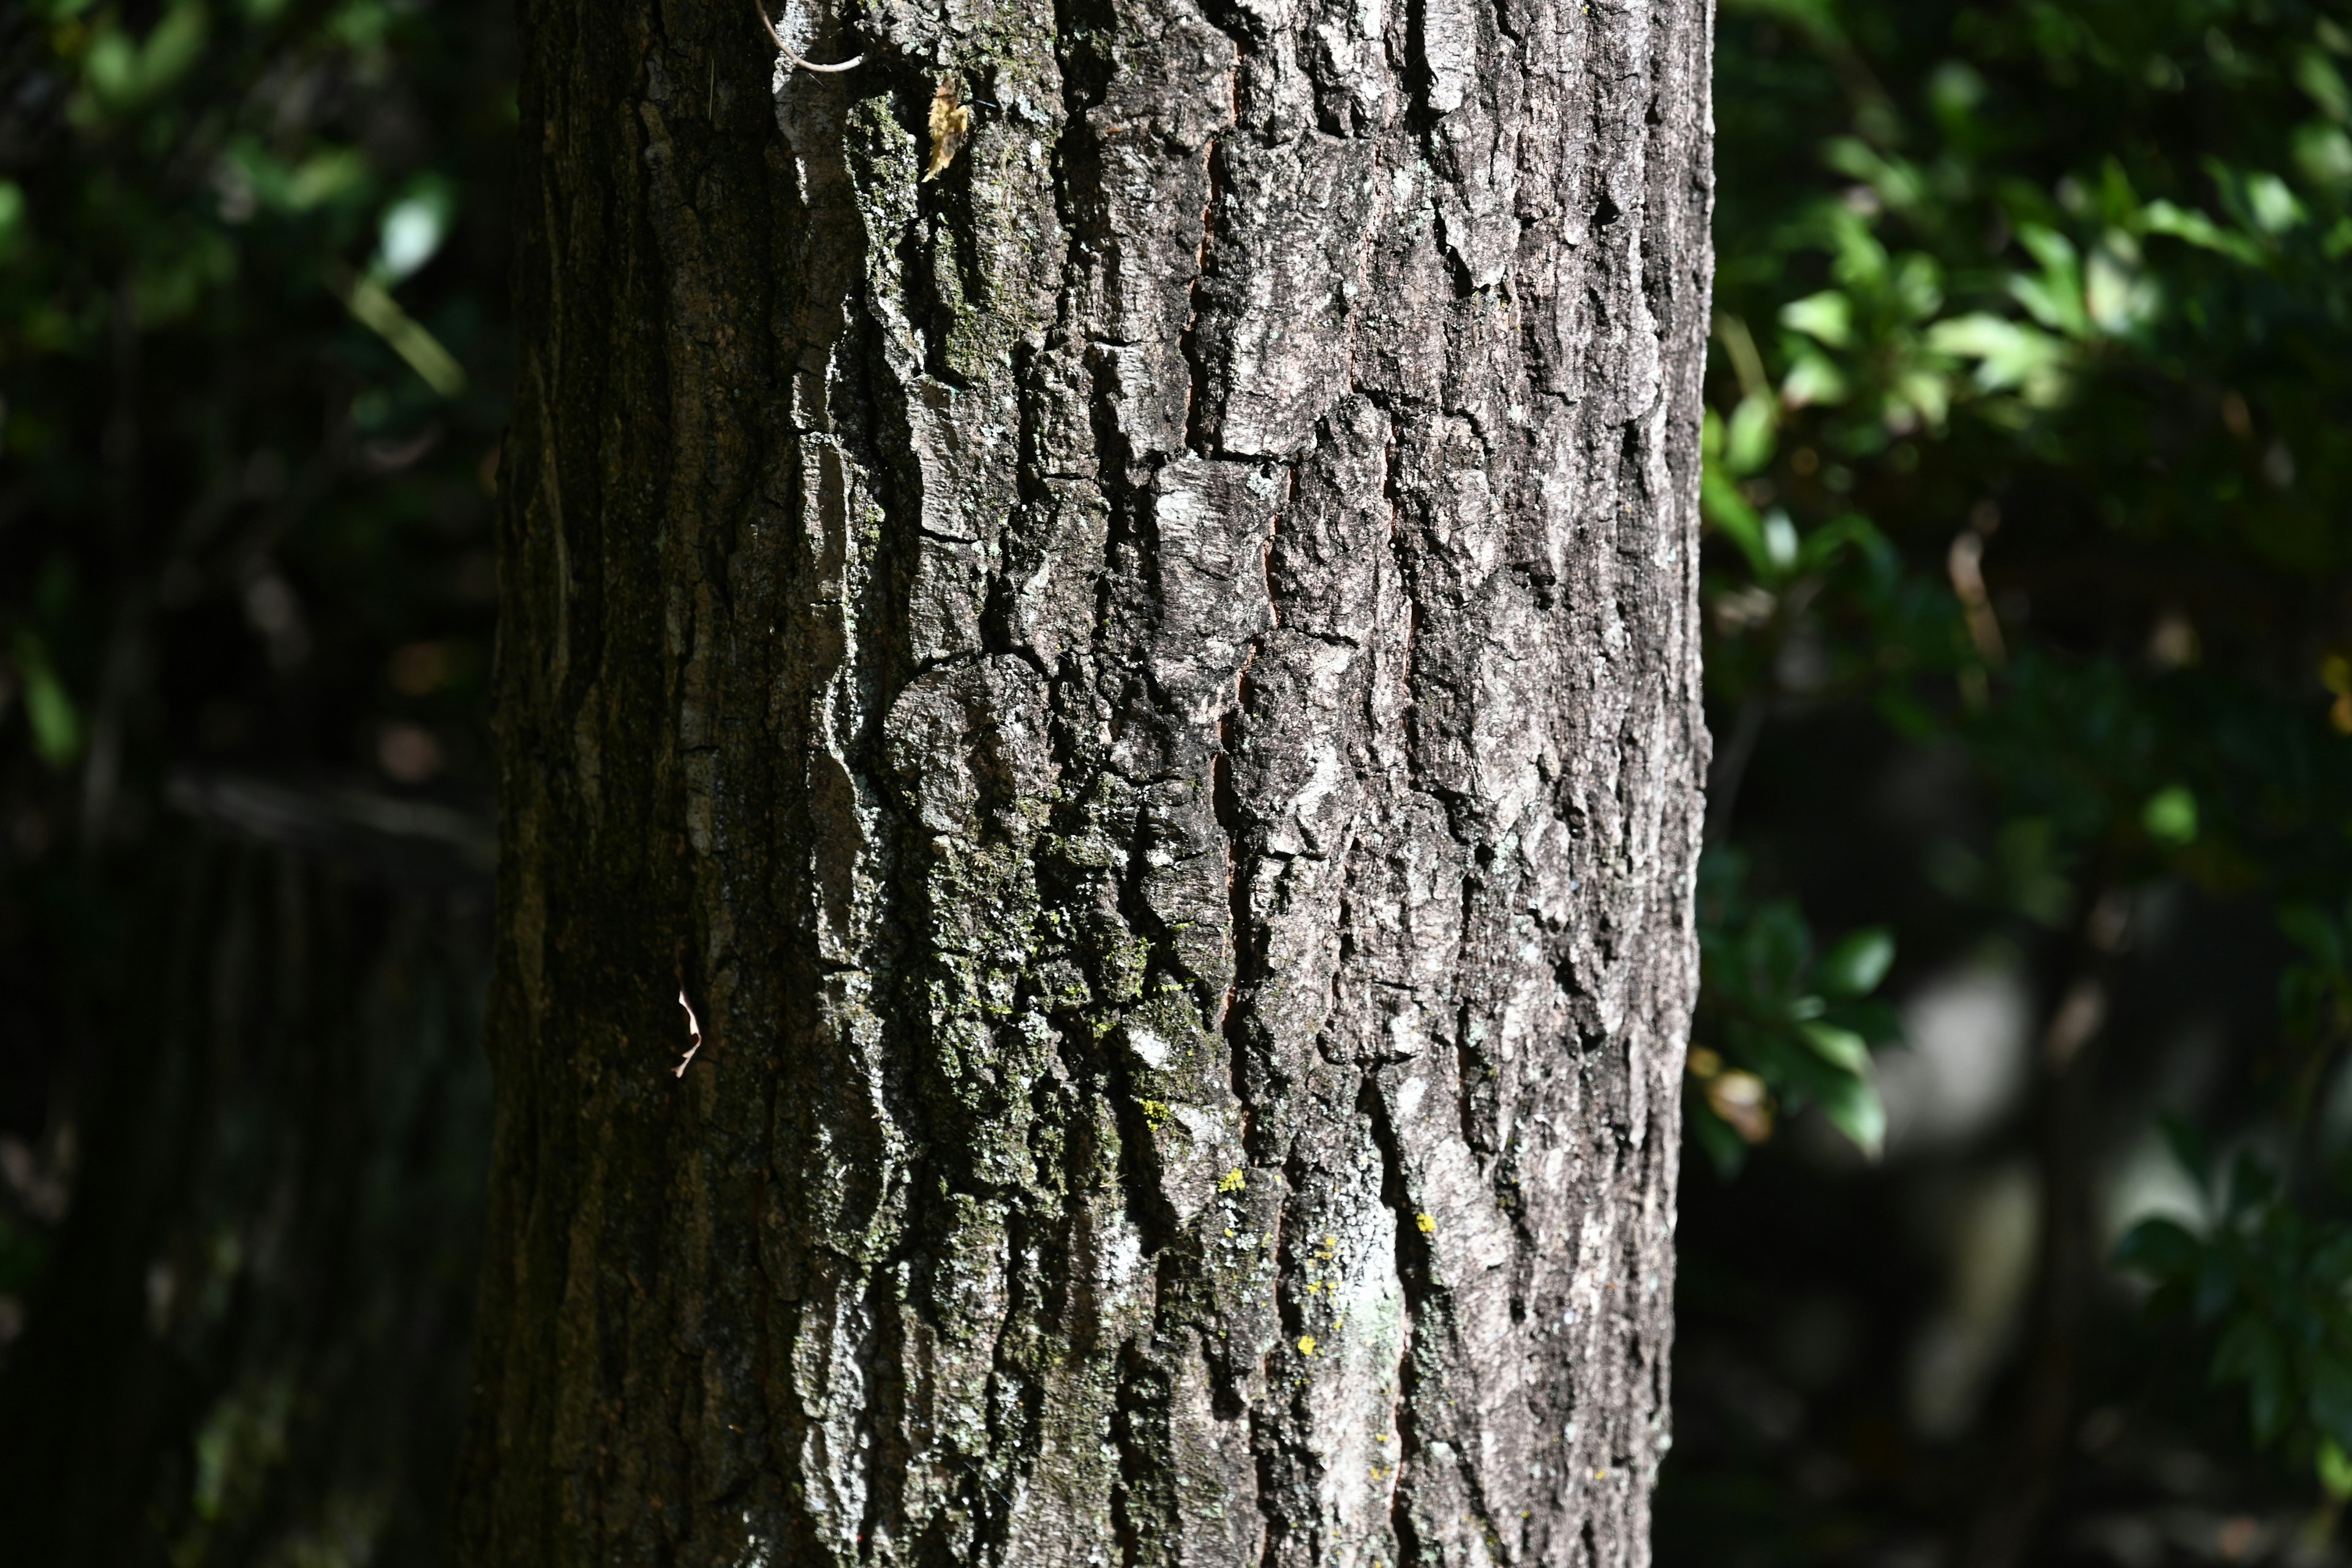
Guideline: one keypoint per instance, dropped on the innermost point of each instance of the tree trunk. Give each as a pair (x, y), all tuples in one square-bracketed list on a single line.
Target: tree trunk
[(1145, 690)]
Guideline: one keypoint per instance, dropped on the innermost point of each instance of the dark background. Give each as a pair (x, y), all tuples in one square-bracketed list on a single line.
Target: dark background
[(2014, 1192)]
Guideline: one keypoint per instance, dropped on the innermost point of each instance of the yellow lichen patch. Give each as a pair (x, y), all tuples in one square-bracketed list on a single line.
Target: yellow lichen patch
[(1307, 1344), (1428, 1226), (1233, 1181), (1155, 1112), (950, 124)]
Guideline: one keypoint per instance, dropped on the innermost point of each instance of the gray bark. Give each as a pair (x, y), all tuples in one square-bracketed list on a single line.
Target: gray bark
[(1146, 690)]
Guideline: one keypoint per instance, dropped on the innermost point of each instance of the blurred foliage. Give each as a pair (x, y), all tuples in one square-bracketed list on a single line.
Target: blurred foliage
[(2270, 1285), (248, 254), (253, 354), (2027, 473), (1799, 1027)]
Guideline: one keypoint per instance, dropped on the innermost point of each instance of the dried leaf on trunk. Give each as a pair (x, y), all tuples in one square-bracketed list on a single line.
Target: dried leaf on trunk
[(950, 124)]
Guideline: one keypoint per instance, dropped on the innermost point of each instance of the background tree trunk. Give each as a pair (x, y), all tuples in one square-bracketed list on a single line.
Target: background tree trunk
[(1144, 688), (251, 1345)]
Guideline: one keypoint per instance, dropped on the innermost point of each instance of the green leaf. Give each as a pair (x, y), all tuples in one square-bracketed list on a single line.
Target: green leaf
[(2335, 1470), (1897, 183), (1811, 378), (2160, 1248), (2317, 76), (173, 47), (1855, 966), (1827, 317), (2182, 223), (123, 74), (48, 711), (1735, 520), (2008, 354), (12, 216), (110, 66), (1853, 1108), (2120, 302), (2171, 816), (1918, 287), (2324, 153), (2276, 208), (1842, 1049), (1955, 88), (2055, 297), (323, 176), (1927, 391), (1747, 439), (1874, 1021), (2188, 1147)]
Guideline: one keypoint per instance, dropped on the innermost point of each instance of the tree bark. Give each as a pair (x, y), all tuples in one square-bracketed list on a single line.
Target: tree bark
[(1145, 691)]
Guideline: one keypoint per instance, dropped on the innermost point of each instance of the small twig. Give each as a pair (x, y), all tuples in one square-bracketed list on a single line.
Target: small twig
[(778, 39), (693, 1031)]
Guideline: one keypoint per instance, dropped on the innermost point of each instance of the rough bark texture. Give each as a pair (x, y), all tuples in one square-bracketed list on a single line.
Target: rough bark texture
[(1146, 689)]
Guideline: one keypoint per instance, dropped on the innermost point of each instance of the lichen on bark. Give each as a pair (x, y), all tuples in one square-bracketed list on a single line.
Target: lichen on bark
[(1146, 689)]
